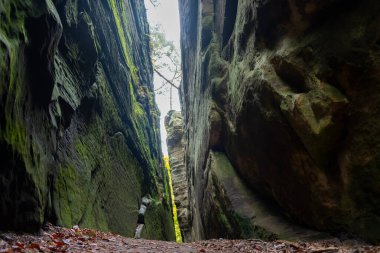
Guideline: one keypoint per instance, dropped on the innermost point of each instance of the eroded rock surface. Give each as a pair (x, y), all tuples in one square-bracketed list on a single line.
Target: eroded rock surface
[(287, 92), (176, 151), (79, 134)]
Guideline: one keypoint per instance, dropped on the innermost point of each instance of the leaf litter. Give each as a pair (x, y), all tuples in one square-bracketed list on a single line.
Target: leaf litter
[(58, 239)]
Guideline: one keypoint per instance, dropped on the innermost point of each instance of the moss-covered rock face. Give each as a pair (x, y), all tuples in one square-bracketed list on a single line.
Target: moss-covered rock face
[(79, 133), (289, 92)]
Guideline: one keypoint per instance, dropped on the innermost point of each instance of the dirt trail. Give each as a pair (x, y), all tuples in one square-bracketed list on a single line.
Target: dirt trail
[(56, 239)]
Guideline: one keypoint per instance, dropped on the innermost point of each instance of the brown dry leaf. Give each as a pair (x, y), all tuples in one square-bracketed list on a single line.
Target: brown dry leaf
[(325, 250), (59, 243), (34, 245), (57, 235)]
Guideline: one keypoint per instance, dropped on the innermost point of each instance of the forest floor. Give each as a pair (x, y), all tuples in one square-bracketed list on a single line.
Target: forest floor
[(57, 239)]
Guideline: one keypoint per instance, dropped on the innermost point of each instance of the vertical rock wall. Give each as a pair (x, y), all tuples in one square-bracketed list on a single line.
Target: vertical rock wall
[(176, 150), (287, 94), (79, 133)]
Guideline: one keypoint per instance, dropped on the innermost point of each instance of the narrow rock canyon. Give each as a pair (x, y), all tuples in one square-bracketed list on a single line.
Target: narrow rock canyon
[(278, 137)]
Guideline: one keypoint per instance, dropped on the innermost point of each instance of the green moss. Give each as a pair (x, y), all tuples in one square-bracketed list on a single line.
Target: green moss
[(217, 67), (222, 219), (72, 197), (73, 51), (91, 31), (111, 158), (138, 110), (15, 135), (15, 13), (108, 173), (208, 22), (12, 34), (81, 149), (137, 115), (27, 146), (107, 101), (102, 171), (71, 11), (121, 20), (246, 227), (158, 222), (76, 198), (207, 29)]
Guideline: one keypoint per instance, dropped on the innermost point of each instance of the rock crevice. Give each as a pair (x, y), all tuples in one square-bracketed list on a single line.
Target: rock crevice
[(176, 150)]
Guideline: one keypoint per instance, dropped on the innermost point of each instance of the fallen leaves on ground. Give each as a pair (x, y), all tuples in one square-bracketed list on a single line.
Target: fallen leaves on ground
[(57, 239)]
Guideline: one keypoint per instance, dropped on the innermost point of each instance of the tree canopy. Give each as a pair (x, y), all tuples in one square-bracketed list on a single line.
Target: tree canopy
[(165, 60)]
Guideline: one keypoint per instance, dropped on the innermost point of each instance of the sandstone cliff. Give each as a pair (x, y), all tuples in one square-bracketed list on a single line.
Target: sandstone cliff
[(79, 133), (281, 100), (176, 150)]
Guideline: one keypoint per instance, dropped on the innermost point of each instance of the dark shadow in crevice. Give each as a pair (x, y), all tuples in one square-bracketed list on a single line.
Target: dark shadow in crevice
[(229, 20)]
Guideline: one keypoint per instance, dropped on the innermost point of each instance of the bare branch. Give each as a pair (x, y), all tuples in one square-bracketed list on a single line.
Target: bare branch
[(163, 77), (175, 73), (162, 86), (155, 3)]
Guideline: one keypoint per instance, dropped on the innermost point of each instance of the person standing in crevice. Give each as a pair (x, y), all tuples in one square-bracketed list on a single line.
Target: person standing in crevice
[(145, 202)]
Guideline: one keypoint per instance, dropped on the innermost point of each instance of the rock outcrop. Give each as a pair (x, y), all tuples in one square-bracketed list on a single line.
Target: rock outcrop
[(176, 151), (287, 94), (79, 133)]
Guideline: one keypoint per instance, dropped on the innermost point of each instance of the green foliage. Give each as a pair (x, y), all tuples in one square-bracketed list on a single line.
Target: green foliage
[(165, 59), (162, 49)]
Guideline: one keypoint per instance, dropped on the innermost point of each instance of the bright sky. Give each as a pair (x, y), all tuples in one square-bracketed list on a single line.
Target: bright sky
[(166, 14)]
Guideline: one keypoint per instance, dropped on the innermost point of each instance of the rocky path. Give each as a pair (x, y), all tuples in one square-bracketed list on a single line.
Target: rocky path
[(56, 239)]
